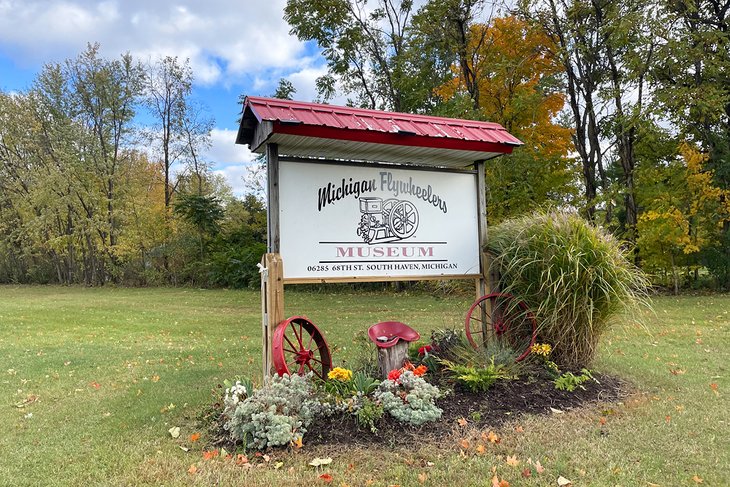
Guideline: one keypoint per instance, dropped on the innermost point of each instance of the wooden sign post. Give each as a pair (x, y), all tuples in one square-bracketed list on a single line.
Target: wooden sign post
[(272, 306)]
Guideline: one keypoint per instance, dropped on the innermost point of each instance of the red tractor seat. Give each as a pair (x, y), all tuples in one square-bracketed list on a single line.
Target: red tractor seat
[(387, 333)]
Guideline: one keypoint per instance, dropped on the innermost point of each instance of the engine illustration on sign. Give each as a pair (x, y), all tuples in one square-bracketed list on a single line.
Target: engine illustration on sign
[(386, 220)]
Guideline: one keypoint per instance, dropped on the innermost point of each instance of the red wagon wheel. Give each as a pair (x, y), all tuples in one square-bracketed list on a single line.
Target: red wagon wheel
[(299, 347), (501, 320)]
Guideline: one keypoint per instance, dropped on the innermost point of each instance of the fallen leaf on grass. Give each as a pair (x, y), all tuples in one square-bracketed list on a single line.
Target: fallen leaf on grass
[(241, 459), (677, 371), (602, 421), (464, 444), (697, 479), (538, 467), (174, 431), (209, 455), (527, 473), (318, 462), (512, 461), (194, 437), (297, 443), (563, 482), (192, 469), (499, 483), (462, 422), (95, 385), (422, 478), (493, 437), (155, 378), (714, 388), (480, 449), (278, 465), (519, 429), (28, 400)]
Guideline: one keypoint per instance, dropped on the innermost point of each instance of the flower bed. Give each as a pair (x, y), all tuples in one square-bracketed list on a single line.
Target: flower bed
[(445, 383)]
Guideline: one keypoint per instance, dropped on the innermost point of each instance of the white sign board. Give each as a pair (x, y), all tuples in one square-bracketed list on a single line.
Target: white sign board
[(375, 221)]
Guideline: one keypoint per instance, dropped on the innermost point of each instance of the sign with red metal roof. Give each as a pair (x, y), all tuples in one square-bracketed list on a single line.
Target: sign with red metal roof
[(329, 131)]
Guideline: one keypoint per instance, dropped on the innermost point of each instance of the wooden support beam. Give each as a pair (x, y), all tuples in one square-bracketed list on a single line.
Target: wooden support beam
[(483, 286), (482, 222), (272, 304), (272, 197)]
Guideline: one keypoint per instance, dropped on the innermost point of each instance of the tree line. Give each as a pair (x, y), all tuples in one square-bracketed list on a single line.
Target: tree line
[(91, 195), (623, 106)]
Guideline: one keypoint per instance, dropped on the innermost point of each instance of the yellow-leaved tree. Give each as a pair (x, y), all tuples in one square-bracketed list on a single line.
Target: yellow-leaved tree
[(683, 214), (517, 73)]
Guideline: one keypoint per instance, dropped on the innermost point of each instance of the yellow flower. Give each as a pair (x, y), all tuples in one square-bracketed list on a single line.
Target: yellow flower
[(340, 374), (543, 349)]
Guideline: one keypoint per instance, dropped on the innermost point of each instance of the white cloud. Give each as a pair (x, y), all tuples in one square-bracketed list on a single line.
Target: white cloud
[(235, 177), (231, 160), (222, 38), (224, 149), (304, 81)]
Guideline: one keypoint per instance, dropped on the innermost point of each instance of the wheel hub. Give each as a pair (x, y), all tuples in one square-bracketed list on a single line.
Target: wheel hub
[(304, 356)]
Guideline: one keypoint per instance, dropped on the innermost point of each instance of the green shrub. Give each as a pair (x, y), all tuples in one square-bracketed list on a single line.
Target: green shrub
[(570, 382), (364, 384), (573, 276), (478, 378), (368, 414)]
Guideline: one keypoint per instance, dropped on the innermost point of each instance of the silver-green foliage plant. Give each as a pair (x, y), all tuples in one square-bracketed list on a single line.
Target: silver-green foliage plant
[(276, 414), (409, 399), (575, 277)]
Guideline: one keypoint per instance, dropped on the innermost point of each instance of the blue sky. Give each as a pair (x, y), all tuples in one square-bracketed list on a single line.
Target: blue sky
[(235, 47)]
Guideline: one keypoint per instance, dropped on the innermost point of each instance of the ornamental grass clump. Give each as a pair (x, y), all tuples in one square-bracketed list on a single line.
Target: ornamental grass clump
[(574, 277)]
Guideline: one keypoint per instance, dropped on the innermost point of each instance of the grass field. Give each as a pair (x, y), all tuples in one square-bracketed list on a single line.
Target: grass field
[(93, 379)]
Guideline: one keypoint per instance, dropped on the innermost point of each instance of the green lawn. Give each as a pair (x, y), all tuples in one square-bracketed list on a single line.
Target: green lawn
[(92, 379)]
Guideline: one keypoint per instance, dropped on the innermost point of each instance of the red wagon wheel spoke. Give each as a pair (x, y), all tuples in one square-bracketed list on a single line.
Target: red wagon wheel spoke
[(291, 356), (299, 340), (500, 320), (290, 343), (315, 371)]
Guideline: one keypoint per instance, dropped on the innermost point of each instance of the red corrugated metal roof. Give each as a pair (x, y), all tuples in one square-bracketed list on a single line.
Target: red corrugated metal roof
[(360, 130)]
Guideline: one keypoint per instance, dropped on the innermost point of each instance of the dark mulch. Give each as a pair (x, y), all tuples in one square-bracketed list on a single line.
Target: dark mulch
[(505, 400)]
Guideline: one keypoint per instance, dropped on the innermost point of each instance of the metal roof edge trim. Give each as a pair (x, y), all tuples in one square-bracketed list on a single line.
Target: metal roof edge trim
[(388, 138)]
